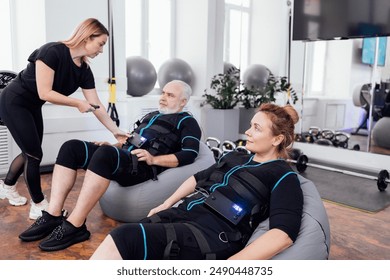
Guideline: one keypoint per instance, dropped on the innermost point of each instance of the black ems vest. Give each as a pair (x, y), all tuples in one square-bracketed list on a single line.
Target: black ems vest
[(244, 197), (160, 132)]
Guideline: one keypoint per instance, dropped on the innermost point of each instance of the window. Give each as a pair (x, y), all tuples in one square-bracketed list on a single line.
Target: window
[(149, 30), (237, 19), (317, 68), (6, 45)]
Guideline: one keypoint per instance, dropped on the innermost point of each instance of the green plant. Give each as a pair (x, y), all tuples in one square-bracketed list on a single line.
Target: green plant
[(252, 97), (226, 87)]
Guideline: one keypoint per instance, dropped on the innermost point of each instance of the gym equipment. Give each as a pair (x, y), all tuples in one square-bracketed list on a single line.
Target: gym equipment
[(5, 78), (362, 98), (214, 145), (111, 109), (340, 139), (380, 132), (325, 137), (228, 146), (219, 149), (382, 179), (227, 66), (141, 76), (175, 69), (256, 76)]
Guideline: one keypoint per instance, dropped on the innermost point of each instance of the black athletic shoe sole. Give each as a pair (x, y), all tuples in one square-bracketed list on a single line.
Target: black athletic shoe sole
[(79, 237), (35, 237)]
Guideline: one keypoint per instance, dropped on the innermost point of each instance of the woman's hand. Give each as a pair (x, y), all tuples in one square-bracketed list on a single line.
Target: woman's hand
[(102, 143), (85, 107), (121, 136), (159, 208)]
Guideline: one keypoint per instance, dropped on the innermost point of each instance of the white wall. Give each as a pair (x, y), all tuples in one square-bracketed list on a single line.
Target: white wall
[(28, 29)]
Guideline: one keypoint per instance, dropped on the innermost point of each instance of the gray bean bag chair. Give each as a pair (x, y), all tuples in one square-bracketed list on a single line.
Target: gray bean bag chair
[(130, 204), (313, 242)]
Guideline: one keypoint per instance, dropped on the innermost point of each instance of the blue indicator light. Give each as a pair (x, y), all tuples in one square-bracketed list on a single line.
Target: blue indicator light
[(237, 208)]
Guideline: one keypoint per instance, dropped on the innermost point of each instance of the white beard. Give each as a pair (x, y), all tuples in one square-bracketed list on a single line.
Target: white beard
[(165, 110)]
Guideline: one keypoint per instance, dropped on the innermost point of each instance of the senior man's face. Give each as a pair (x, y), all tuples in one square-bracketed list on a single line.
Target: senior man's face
[(171, 99)]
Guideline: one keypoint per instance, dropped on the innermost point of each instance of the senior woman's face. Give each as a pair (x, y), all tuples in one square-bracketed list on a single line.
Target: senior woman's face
[(259, 136)]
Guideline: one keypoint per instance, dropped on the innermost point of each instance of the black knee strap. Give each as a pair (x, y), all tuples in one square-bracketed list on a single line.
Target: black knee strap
[(172, 249), (134, 163), (202, 242)]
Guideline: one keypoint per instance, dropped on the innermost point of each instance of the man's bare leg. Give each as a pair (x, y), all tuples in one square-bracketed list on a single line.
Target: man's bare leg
[(94, 186)]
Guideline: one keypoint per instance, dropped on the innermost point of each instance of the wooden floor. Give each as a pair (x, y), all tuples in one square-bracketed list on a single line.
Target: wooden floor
[(355, 235)]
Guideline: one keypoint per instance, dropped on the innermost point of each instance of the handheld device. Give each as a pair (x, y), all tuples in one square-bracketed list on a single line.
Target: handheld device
[(136, 140), (95, 106)]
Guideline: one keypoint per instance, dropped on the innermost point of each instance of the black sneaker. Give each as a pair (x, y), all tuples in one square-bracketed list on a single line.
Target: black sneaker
[(42, 227), (65, 235)]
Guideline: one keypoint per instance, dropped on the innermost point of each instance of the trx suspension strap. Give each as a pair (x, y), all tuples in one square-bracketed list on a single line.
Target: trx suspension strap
[(111, 110)]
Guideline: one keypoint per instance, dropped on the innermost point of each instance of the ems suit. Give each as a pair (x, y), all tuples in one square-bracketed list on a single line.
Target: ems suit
[(232, 197), (160, 134)]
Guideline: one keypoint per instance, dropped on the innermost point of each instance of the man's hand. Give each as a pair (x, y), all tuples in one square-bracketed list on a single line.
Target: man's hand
[(143, 155)]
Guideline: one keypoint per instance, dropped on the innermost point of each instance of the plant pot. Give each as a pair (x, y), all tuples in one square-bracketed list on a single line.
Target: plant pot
[(246, 116), (221, 124)]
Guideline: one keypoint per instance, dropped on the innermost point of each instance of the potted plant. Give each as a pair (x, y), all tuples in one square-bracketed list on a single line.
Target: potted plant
[(222, 119), (226, 87), (252, 97)]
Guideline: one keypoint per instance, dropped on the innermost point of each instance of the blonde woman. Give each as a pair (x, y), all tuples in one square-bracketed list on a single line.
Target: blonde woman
[(54, 72)]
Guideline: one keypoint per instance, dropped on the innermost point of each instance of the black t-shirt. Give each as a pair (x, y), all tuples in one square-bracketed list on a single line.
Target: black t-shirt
[(286, 198), (68, 77)]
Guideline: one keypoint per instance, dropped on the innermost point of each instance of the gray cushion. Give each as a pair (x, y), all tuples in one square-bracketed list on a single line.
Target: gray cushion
[(313, 240), (132, 203)]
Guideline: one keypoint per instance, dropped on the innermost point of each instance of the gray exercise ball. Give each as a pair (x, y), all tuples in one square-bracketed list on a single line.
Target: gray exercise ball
[(141, 76), (256, 76), (380, 133), (229, 66), (175, 69)]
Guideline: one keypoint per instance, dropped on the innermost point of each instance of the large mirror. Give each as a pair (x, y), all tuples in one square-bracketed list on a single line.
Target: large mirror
[(346, 70), (342, 86)]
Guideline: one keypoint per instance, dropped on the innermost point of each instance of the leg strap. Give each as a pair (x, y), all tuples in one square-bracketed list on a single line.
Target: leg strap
[(134, 163), (154, 169), (202, 242), (172, 249)]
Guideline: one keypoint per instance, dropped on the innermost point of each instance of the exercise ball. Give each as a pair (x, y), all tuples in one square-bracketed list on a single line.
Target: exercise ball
[(380, 133), (175, 69), (141, 76), (256, 76), (229, 66)]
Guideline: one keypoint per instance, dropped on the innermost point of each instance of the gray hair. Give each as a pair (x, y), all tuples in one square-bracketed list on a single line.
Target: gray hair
[(187, 91)]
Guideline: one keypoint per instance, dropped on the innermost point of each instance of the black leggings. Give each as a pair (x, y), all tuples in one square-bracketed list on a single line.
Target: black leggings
[(107, 161), (24, 121)]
